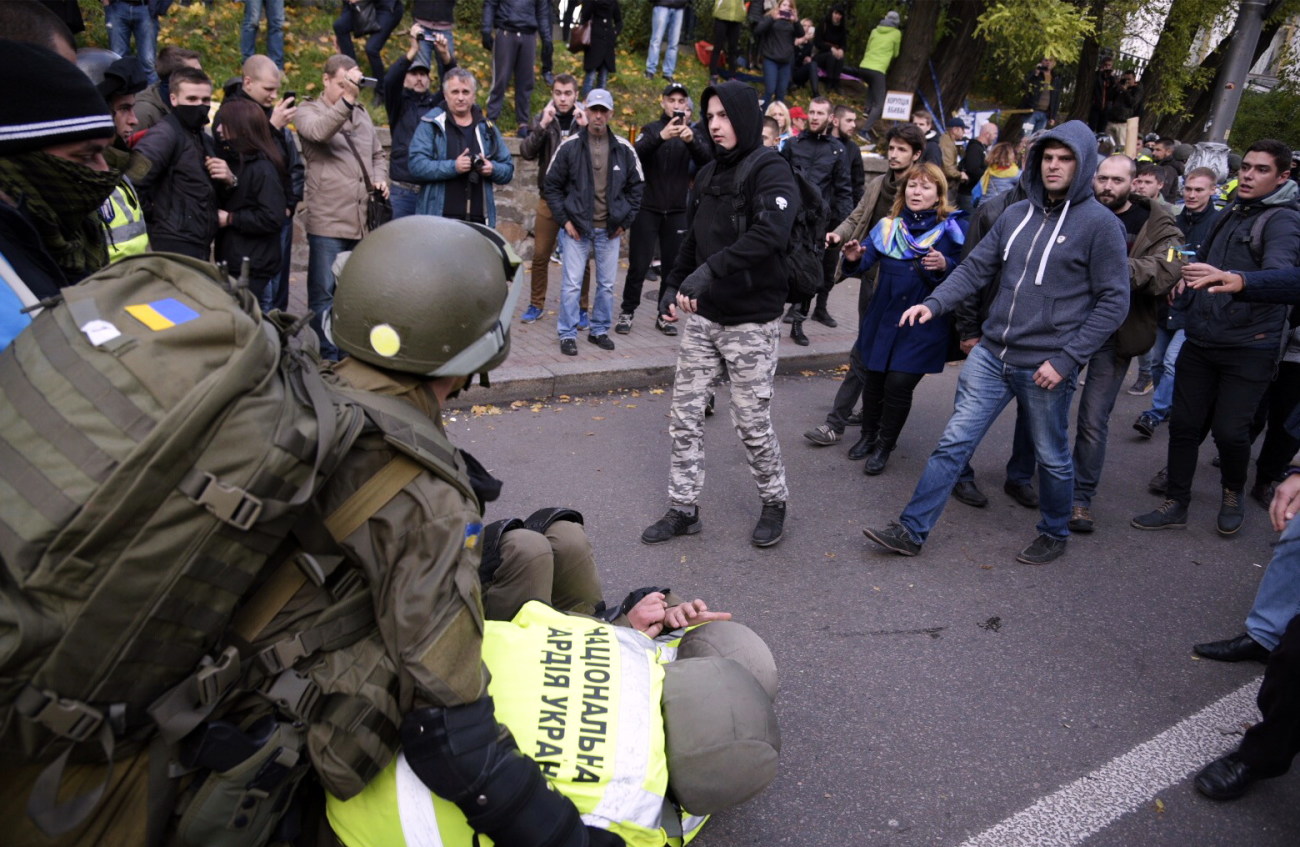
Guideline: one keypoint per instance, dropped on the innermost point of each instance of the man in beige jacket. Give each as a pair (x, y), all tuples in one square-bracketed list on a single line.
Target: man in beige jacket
[(344, 161)]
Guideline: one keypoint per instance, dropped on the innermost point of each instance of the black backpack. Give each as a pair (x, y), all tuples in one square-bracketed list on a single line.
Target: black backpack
[(803, 257)]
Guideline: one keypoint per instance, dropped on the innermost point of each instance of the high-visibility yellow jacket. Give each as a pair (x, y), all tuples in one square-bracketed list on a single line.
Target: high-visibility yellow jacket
[(124, 218)]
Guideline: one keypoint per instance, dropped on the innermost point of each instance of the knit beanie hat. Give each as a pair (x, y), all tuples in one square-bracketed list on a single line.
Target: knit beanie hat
[(890, 19), (49, 101)]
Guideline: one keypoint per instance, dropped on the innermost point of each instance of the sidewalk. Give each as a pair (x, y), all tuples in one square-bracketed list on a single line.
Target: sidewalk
[(536, 369)]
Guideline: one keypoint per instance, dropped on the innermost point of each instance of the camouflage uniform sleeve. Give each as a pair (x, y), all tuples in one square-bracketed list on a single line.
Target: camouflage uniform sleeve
[(421, 556)]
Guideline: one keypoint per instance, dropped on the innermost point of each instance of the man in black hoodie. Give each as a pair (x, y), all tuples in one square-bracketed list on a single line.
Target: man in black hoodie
[(670, 152), (729, 298)]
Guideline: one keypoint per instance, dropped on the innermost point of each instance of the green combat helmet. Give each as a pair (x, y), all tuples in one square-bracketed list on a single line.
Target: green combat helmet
[(429, 296)]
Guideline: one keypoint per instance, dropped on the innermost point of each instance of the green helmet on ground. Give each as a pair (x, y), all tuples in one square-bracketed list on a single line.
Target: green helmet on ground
[(735, 641), (427, 295), (722, 738)]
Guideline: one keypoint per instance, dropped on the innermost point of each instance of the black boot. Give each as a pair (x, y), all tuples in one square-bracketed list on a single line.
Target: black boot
[(864, 445), (877, 459), (796, 332), (770, 526)]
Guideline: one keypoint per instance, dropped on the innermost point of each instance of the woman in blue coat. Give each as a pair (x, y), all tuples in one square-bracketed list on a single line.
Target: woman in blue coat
[(917, 246)]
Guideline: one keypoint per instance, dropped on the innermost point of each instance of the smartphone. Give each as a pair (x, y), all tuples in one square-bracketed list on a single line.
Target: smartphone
[(369, 82), (679, 115), (290, 95)]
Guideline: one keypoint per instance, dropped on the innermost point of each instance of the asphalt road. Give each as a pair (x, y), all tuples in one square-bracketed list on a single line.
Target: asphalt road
[(926, 701)]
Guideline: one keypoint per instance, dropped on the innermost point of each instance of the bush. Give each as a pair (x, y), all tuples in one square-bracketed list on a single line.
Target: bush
[(1271, 115)]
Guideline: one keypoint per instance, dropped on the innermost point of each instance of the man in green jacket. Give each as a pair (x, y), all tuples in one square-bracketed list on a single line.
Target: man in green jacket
[(882, 47)]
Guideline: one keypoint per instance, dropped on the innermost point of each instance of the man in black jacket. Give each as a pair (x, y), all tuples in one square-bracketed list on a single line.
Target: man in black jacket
[(670, 152), (406, 99), (510, 30), (844, 126), (179, 188), (261, 84), (593, 189), (1232, 347), (973, 165), (820, 158), (728, 295)]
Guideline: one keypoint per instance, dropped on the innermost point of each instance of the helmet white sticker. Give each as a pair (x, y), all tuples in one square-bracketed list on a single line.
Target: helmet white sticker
[(385, 341)]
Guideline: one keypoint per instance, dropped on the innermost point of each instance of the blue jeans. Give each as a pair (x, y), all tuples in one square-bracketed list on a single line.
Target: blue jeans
[(426, 54), (1153, 362), (274, 29), (281, 282), (984, 388), (124, 21), (1162, 399), (664, 21), (322, 250), (1105, 378), (1277, 600), (594, 79), (403, 200), (1021, 465), (776, 79), (1038, 120), (576, 251)]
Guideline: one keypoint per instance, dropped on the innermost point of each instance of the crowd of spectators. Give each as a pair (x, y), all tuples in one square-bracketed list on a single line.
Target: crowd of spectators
[(946, 241)]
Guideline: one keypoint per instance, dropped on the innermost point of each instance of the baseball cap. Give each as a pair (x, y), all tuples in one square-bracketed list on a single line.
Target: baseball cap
[(600, 97), (798, 112), (675, 88), (418, 65), (953, 123)]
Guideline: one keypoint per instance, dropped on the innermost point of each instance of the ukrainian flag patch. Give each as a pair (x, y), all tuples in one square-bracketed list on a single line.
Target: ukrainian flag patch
[(162, 314), (473, 532)]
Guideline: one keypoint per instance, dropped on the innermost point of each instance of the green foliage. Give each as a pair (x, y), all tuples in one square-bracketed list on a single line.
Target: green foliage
[(1271, 115), (1020, 32), (1171, 65)]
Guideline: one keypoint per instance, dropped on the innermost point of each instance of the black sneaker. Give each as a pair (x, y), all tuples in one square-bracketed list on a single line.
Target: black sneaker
[(894, 538), (1231, 515), (666, 327), (624, 324), (1042, 550), (604, 342), (824, 317), (1022, 492), (854, 419), (671, 525), (569, 346), (1146, 424), (1170, 515), (770, 526), (969, 493), (823, 435)]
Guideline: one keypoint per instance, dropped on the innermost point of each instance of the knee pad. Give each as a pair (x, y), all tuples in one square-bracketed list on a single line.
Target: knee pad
[(463, 755)]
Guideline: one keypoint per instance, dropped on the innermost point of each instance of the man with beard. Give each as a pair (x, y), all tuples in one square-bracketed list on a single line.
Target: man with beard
[(407, 98), (821, 159), (904, 145), (1154, 264), (178, 187), (724, 289), (53, 179)]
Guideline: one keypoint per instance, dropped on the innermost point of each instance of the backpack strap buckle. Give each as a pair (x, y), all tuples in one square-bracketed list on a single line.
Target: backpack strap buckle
[(215, 678), (229, 503), (71, 719), (294, 694)]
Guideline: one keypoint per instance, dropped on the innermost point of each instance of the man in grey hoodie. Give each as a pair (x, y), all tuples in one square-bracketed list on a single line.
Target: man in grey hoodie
[(1062, 291)]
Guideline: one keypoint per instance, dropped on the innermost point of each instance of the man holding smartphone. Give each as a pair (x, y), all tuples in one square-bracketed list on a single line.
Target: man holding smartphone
[(667, 149)]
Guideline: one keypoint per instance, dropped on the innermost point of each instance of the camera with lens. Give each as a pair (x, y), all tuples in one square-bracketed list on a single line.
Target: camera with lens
[(476, 169)]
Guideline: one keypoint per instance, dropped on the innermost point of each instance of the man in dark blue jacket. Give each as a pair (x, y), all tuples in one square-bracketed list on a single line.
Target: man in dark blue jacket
[(593, 189), (1232, 347), (670, 154), (1062, 291), (406, 98), (510, 30)]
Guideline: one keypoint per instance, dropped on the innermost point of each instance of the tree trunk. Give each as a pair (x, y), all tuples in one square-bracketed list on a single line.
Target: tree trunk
[(914, 52), (1085, 78), (1193, 128), (958, 56)]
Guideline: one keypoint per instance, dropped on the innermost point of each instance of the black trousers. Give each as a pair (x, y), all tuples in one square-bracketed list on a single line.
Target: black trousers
[(1269, 746), (1218, 388), (846, 397), (725, 34), (833, 67), (886, 403), (1279, 401), (669, 229)]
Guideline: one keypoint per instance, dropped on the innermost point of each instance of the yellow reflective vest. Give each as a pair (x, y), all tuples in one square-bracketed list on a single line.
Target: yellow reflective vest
[(582, 699), (124, 218)]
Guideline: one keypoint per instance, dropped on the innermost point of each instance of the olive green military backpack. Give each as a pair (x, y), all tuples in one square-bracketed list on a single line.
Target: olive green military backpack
[(159, 442)]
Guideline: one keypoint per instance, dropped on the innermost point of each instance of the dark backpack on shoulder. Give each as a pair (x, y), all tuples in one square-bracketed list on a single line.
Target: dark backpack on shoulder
[(803, 257)]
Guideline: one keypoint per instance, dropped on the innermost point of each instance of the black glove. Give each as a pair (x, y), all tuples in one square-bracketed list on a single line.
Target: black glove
[(487, 39), (667, 299), (694, 286)]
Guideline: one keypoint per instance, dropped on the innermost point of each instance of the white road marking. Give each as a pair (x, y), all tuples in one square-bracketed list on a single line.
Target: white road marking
[(1086, 806)]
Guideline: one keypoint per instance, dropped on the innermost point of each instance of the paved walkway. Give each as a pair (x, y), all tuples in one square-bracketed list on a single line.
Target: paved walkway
[(536, 369)]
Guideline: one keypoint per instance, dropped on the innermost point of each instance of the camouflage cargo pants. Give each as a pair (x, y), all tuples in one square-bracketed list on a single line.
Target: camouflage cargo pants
[(748, 352)]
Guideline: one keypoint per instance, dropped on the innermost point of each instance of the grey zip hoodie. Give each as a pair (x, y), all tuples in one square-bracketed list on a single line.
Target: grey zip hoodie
[(1061, 268)]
